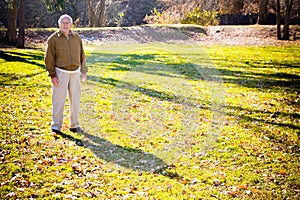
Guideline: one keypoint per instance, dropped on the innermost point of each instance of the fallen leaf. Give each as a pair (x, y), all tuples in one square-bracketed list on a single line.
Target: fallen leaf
[(282, 172), (184, 181), (254, 190), (242, 187)]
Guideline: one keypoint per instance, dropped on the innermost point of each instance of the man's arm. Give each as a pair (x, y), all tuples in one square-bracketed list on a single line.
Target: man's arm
[(84, 68), (50, 58)]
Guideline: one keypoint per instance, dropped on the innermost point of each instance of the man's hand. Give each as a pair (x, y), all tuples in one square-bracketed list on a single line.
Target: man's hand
[(55, 81), (83, 77)]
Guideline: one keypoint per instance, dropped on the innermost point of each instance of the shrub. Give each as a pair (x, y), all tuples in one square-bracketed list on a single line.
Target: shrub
[(164, 17), (170, 14), (204, 18)]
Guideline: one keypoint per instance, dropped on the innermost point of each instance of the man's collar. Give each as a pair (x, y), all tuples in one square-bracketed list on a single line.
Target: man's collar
[(60, 33)]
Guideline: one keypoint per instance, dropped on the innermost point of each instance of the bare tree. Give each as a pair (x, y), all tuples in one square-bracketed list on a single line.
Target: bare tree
[(101, 18), (92, 15), (11, 34), (21, 35), (278, 19), (263, 12), (96, 13), (287, 13)]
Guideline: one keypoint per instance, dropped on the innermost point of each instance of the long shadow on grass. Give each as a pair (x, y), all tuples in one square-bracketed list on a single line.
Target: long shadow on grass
[(9, 56), (130, 158), (127, 157), (271, 79), (260, 80), (266, 117), (272, 116), (6, 78), (280, 82), (191, 102), (193, 71), (145, 63)]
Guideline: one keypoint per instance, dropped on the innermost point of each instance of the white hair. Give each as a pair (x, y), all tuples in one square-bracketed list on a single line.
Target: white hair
[(63, 17)]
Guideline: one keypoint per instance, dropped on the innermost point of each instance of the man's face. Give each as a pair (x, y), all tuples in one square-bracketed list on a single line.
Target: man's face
[(65, 25)]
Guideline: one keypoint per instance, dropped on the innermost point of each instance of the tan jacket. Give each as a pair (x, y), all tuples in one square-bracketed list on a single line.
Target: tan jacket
[(64, 53)]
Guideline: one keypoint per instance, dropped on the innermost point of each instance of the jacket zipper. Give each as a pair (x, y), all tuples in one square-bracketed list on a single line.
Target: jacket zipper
[(70, 50)]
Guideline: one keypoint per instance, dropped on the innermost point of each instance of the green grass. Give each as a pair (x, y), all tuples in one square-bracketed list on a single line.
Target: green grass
[(162, 123)]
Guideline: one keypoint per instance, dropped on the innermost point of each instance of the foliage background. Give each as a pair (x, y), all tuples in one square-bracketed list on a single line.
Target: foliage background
[(166, 11)]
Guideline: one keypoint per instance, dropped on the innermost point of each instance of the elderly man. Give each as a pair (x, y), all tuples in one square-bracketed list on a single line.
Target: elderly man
[(65, 60)]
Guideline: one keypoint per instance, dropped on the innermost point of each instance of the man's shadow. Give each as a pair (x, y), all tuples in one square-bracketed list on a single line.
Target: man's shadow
[(130, 158)]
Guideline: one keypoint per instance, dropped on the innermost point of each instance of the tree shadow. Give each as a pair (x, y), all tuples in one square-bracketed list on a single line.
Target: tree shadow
[(5, 78), (10, 56), (267, 117), (144, 63), (280, 82), (205, 71), (163, 96), (261, 80), (256, 119)]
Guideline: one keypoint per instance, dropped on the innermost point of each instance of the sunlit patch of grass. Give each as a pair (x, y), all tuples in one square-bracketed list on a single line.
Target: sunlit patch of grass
[(135, 104)]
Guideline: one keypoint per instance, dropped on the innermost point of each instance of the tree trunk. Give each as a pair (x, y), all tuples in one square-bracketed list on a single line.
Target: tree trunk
[(92, 16), (286, 28), (263, 14), (101, 18), (11, 34), (278, 19), (21, 35)]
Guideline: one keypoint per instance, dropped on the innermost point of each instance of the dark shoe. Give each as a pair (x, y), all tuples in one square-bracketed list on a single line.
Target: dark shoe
[(56, 131), (77, 130)]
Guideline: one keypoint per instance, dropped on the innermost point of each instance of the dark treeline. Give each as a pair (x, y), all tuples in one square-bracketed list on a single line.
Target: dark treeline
[(37, 15), (21, 14)]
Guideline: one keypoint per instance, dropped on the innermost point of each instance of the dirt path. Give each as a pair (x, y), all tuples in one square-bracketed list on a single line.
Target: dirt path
[(249, 35), (220, 35)]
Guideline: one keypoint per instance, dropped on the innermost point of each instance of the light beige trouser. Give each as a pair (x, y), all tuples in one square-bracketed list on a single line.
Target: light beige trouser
[(69, 83)]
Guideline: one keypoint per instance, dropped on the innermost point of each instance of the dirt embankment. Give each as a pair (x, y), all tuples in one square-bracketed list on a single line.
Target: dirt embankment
[(220, 35)]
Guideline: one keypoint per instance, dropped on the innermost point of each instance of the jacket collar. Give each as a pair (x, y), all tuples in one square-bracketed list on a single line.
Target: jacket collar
[(60, 33)]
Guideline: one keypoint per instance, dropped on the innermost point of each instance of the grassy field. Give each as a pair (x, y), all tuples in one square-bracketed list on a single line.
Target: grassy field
[(162, 122)]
